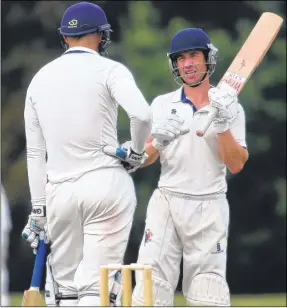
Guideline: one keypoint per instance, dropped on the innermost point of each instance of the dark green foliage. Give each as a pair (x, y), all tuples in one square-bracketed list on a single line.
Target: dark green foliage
[(142, 30)]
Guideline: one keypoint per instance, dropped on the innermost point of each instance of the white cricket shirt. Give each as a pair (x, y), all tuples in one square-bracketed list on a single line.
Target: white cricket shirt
[(192, 164), (71, 113)]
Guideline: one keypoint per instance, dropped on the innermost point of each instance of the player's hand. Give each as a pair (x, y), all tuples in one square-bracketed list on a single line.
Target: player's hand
[(224, 98), (133, 160), (129, 158), (167, 130), (37, 222)]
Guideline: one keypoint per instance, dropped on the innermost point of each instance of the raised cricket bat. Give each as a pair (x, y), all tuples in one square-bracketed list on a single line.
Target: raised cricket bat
[(248, 58), (33, 297)]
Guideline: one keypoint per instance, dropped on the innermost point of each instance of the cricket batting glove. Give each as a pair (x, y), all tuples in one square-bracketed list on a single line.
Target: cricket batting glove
[(224, 98), (132, 161), (167, 130), (37, 222)]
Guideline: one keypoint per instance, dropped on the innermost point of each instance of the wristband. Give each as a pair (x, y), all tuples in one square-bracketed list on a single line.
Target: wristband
[(38, 211)]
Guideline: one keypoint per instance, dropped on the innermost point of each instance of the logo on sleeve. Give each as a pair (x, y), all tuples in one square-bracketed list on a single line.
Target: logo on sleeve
[(218, 249)]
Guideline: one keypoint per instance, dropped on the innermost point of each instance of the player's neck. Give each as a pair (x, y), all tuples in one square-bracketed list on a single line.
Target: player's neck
[(84, 44), (198, 95)]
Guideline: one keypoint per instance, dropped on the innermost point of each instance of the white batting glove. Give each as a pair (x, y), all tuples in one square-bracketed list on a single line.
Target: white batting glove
[(37, 222), (224, 98), (129, 158), (132, 158), (167, 130)]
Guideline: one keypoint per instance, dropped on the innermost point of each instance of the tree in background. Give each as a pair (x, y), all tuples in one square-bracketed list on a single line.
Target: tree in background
[(257, 195)]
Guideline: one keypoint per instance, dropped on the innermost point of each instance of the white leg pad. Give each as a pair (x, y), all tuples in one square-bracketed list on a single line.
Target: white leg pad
[(55, 297), (89, 300), (208, 290), (163, 294), (68, 303), (91, 297), (116, 290), (51, 287)]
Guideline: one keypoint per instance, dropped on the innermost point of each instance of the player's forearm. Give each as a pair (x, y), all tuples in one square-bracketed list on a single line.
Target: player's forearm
[(139, 113), (153, 154), (36, 154), (36, 165), (140, 128), (233, 155)]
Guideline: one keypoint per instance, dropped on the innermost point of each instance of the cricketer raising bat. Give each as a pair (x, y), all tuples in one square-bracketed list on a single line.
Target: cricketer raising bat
[(248, 58), (32, 297)]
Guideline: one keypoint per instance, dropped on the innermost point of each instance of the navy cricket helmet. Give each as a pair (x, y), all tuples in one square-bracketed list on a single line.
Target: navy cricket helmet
[(85, 18), (191, 39)]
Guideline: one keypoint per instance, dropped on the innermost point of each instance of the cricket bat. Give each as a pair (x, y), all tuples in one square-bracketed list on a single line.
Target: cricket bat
[(248, 58), (32, 297)]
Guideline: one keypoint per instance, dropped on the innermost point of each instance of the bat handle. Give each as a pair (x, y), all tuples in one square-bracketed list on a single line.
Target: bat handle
[(210, 117), (39, 262), (116, 152)]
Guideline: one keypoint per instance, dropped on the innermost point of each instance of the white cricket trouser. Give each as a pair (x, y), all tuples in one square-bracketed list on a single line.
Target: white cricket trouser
[(89, 222), (182, 226)]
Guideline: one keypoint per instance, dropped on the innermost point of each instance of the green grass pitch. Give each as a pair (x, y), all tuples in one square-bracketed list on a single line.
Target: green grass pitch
[(240, 300)]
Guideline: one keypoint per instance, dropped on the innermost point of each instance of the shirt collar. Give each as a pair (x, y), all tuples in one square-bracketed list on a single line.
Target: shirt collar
[(179, 97), (184, 99), (80, 49)]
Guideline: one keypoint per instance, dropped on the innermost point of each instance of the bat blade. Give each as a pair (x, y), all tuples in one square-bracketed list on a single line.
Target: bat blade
[(32, 298), (248, 58), (252, 51)]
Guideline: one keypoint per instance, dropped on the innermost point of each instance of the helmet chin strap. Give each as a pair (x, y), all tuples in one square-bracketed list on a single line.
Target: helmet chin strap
[(200, 82), (196, 84)]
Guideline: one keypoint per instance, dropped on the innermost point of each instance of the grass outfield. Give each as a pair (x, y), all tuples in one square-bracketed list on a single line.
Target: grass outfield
[(240, 300), (248, 300)]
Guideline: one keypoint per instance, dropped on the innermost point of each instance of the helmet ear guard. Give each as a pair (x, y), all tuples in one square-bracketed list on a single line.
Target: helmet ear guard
[(106, 39), (62, 40), (211, 59)]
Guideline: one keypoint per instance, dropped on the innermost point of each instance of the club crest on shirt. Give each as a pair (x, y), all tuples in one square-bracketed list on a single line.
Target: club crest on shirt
[(148, 236)]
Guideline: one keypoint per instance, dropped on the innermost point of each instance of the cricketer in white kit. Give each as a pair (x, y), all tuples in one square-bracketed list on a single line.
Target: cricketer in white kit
[(6, 226), (188, 214), (70, 116)]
